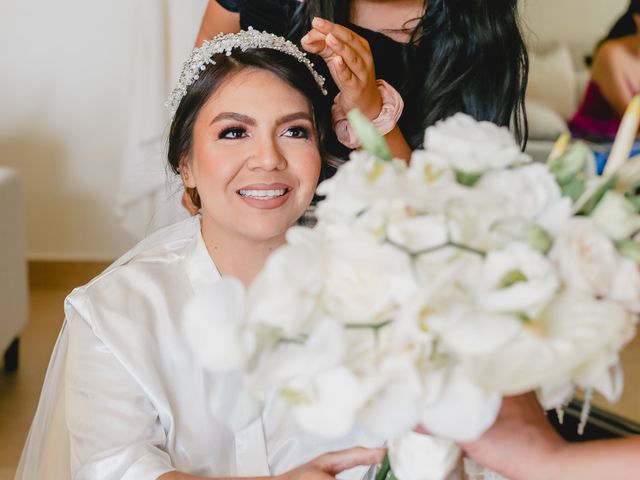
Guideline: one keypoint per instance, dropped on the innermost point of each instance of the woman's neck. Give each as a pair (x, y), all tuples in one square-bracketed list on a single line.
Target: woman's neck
[(395, 18), (237, 255)]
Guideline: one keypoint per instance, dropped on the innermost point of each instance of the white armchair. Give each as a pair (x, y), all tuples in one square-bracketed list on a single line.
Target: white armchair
[(13, 266)]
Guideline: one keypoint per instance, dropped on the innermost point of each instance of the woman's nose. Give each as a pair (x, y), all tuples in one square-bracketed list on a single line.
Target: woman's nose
[(268, 155)]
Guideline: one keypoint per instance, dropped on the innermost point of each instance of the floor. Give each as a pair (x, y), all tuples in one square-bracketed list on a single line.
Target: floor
[(49, 285), (51, 282)]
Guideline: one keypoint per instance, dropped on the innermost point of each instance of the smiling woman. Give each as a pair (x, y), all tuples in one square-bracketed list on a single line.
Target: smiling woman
[(249, 152), (125, 396)]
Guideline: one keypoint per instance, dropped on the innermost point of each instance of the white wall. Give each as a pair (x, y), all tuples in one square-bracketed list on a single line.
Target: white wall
[(63, 103), (65, 72), (578, 23), (65, 80)]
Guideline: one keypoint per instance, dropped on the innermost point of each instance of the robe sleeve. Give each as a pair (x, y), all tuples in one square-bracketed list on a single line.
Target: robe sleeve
[(115, 432)]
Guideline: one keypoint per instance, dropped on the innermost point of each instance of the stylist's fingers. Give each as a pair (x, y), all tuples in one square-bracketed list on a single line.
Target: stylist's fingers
[(336, 462), (314, 42), (344, 34), (351, 57), (340, 72)]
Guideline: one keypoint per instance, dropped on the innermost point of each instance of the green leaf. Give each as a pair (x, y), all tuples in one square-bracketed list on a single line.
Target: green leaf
[(569, 165), (629, 249), (574, 189), (467, 179), (538, 238), (368, 135), (385, 468), (607, 184), (633, 199), (511, 278)]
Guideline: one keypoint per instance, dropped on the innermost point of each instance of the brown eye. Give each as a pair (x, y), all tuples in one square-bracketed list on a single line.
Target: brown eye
[(232, 133), (297, 132)]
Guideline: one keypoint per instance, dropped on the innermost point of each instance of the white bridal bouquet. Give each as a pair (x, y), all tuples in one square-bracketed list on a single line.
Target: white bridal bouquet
[(427, 292)]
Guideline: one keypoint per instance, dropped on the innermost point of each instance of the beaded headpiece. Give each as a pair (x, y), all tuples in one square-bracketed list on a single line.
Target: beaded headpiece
[(225, 43)]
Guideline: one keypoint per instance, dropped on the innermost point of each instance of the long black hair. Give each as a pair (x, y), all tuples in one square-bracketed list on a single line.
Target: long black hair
[(470, 55)]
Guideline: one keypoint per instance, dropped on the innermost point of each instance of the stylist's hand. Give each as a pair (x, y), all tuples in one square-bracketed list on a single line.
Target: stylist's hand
[(350, 62), (327, 466), (616, 69), (521, 444)]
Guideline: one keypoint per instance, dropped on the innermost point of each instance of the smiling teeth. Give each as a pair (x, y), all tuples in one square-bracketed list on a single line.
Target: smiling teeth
[(263, 194)]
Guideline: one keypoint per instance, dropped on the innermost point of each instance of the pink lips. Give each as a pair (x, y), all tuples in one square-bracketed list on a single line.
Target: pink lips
[(265, 203)]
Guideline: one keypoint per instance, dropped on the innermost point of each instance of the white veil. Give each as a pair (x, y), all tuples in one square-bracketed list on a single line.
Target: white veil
[(46, 452)]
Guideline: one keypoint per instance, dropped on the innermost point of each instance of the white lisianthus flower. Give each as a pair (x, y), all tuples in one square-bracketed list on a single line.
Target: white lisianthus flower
[(473, 147), (417, 232), (328, 405), (214, 326), (616, 216), (364, 280), (585, 257), (359, 183), (415, 456), (455, 407), (431, 181), (283, 295), (573, 330), (528, 194), (516, 279)]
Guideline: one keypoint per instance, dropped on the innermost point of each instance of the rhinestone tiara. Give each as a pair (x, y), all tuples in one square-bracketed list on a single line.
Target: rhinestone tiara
[(225, 43)]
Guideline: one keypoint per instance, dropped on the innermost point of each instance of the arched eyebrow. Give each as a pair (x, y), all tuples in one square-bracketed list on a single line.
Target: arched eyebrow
[(239, 117)]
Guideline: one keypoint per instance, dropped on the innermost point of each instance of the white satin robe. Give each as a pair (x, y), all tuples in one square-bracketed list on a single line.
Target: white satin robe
[(136, 398)]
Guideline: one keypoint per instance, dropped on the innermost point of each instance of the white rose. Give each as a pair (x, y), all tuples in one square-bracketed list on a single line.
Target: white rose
[(616, 216), (585, 257), (473, 147), (214, 326), (365, 281), (572, 331), (414, 456), (516, 279)]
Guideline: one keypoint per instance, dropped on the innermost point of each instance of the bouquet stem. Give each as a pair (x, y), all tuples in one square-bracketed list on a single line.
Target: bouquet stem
[(385, 472)]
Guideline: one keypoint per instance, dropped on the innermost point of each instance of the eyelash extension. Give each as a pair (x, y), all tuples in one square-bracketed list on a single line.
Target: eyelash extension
[(225, 131), (305, 131)]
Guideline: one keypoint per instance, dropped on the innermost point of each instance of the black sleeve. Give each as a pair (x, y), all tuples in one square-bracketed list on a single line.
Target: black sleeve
[(231, 5)]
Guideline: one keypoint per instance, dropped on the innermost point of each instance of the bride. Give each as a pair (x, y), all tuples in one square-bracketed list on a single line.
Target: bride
[(124, 396)]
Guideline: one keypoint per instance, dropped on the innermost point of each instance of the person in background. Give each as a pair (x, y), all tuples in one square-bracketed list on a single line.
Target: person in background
[(615, 80), (442, 58)]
